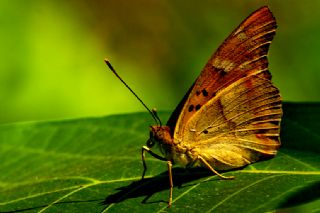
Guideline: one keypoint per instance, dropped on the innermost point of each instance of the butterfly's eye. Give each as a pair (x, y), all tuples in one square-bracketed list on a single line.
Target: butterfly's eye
[(150, 142)]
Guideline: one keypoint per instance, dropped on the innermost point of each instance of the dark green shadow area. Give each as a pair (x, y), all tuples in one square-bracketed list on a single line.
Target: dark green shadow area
[(300, 126), (150, 186), (307, 194)]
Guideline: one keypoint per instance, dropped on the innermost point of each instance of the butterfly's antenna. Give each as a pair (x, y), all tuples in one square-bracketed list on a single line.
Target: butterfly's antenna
[(153, 114)]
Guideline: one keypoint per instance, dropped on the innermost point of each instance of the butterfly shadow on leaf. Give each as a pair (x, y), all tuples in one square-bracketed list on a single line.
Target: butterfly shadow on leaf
[(150, 186)]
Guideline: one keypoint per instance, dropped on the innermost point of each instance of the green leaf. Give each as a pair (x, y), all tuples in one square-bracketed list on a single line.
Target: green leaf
[(93, 165)]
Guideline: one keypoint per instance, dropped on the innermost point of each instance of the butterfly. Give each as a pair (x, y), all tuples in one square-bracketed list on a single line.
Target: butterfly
[(231, 115)]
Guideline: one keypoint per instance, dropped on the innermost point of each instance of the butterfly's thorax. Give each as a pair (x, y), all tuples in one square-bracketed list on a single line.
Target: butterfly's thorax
[(173, 150)]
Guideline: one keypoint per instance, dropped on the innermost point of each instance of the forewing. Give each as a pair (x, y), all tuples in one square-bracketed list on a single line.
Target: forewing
[(177, 111), (241, 54)]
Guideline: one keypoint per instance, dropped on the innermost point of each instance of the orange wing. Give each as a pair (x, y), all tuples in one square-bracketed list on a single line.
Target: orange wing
[(243, 53)]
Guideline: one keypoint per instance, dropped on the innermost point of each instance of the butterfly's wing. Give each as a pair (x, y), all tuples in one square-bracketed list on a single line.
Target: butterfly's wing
[(233, 108), (239, 125)]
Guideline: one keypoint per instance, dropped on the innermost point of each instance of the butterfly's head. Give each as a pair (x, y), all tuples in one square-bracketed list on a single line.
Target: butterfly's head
[(159, 135)]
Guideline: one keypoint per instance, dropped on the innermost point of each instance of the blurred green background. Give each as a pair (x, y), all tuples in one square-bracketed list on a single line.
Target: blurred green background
[(52, 52)]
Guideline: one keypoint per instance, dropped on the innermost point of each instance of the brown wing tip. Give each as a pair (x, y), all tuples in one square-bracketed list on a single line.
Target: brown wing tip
[(262, 12), (261, 16), (263, 9)]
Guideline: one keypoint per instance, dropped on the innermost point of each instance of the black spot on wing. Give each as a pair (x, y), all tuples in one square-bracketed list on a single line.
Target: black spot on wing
[(190, 108), (204, 92), (198, 106)]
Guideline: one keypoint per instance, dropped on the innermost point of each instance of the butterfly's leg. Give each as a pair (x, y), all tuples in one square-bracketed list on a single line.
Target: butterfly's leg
[(212, 169), (169, 163), (147, 149), (171, 182), (143, 157)]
